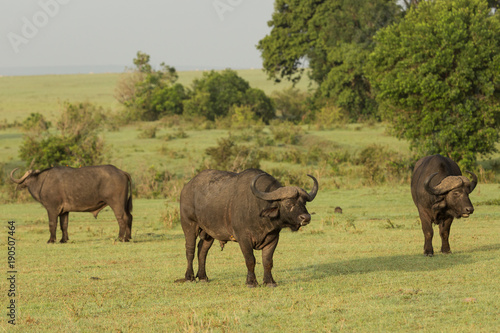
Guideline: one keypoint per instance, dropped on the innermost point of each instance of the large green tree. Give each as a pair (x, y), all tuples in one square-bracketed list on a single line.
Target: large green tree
[(214, 94), (333, 39), (437, 78), (149, 93)]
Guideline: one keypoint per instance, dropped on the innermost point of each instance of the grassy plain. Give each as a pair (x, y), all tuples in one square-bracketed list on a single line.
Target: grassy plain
[(360, 271), (20, 95), (354, 272)]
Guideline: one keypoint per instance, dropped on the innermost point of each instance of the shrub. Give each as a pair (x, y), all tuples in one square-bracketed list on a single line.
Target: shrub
[(150, 94), (330, 116), (244, 117), (292, 178), (77, 142), (36, 123), (291, 104), (231, 157), (170, 217), (216, 93), (150, 182), (148, 133), (381, 164), (286, 132)]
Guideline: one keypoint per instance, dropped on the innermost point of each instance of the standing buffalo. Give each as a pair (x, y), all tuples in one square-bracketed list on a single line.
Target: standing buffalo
[(441, 194), (250, 208), (89, 189)]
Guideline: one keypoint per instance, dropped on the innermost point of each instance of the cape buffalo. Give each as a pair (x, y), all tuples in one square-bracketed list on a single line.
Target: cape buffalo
[(441, 194), (250, 208), (88, 189)]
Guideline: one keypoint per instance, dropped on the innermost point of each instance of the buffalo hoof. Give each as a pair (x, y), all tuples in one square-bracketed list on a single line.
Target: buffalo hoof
[(51, 241), (252, 285), (271, 285), (205, 280), (427, 254), (63, 241)]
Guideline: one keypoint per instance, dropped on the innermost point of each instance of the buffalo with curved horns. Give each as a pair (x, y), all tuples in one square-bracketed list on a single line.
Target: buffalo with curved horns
[(88, 189), (250, 208), (441, 194)]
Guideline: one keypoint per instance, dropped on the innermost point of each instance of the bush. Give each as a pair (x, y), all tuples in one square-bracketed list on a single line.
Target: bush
[(231, 157), (291, 104), (381, 164), (147, 133), (170, 217), (36, 123), (244, 117), (150, 182), (330, 116), (77, 143), (286, 132), (150, 94), (216, 93)]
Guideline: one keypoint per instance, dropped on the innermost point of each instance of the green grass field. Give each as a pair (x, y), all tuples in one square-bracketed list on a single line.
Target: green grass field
[(353, 272), (20, 95), (360, 271)]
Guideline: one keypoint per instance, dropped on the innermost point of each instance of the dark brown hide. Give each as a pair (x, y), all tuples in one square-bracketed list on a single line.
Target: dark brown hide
[(441, 194), (89, 189), (229, 207)]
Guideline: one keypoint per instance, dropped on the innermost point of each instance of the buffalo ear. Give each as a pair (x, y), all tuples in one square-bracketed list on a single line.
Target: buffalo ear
[(271, 212)]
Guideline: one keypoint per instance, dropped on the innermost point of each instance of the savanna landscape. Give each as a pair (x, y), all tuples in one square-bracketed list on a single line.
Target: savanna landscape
[(352, 93), (359, 271)]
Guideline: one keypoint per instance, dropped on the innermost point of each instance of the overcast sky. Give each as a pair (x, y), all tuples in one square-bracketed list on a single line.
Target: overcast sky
[(186, 34)]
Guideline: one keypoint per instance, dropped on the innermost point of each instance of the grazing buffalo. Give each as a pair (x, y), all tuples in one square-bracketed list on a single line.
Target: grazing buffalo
[(89, 189), (441, 194), (250, 208)]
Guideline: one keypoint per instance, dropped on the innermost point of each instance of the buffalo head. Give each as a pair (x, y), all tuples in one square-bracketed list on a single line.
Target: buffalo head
[(287, 203), (453, 193)]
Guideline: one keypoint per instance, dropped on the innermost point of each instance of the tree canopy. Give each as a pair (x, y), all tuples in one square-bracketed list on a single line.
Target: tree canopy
[(333, 38), (216, 93), (437, 78), (149, 93)]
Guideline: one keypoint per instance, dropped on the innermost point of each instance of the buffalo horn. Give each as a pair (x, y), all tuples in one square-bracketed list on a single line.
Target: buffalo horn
[(447, 184), (474, 180), (279, 194), (314, 190), (18, 181), (430, 189)]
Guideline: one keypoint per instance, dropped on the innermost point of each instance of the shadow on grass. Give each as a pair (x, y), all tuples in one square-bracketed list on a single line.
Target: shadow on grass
[(402, 263), (156, 237)]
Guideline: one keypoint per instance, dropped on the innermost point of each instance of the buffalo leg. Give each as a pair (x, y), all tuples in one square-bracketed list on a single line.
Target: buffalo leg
[(247, 250), (191, 233), (52, 227), (267, 262), (63, 220), (122, 218), (203, 247), (444, 232), (428, 234), (128, 232)]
